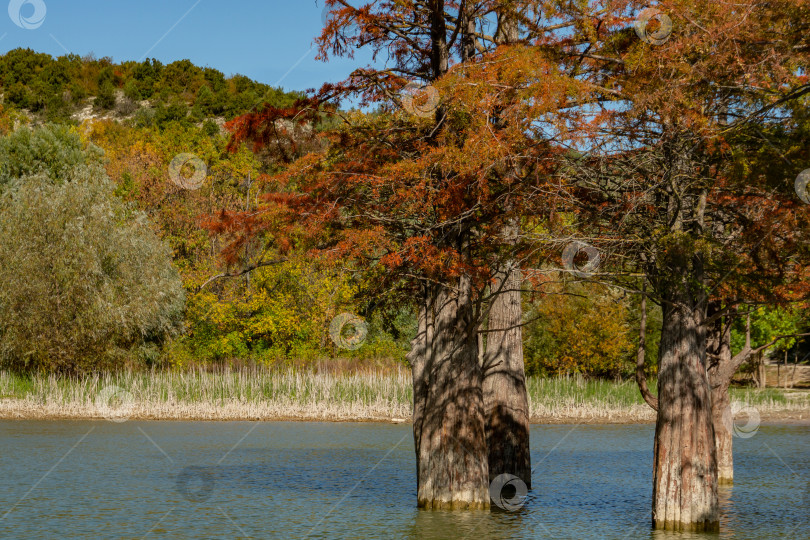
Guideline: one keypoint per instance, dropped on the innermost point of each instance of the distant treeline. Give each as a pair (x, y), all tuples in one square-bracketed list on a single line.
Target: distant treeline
[(56, 87)]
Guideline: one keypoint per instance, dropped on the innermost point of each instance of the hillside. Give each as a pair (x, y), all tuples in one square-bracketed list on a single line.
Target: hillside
[(70, 88)]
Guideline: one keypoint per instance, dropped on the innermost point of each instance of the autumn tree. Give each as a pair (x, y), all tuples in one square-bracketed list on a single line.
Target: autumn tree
[(487, 140), (661, 192), (506, 403), (767, 151), (433, 194)]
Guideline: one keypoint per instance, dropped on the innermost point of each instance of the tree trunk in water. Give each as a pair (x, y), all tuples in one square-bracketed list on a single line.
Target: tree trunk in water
[(448, 419), (685, 466), (723, 421), (721, 370), (506, 403)]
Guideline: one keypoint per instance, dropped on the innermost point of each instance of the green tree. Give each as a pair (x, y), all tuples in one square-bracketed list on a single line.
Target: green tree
[(85, 283), (768, 323), (54, 151), (106, 96), (132, 91), (204, 103)]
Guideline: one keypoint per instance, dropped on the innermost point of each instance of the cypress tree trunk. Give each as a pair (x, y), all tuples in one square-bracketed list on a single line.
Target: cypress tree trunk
[(685, 466), (719, 347), (448, 413), (723, 436), (448, 419), (506, 403), (721, 370)]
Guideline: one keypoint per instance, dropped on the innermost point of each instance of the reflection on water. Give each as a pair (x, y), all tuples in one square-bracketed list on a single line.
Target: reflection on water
[(323, 480)]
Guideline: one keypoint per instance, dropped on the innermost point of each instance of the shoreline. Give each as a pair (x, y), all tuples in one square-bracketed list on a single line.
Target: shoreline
[(21, 409), (289, 395)]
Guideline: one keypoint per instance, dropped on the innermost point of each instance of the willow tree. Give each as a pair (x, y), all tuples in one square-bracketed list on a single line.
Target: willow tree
[(85, 283)]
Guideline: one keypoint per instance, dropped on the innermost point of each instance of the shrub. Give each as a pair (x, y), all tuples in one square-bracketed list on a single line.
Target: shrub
[(54, 151), (105, 99), (126, 107), (210, 128), (132, 92), (85, 284)]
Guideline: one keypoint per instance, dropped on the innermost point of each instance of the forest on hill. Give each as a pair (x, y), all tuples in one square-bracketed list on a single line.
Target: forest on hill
[(55, 89), (130, 121)]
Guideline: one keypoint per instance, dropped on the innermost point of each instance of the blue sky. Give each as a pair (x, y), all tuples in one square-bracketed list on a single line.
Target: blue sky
[(270, 41)]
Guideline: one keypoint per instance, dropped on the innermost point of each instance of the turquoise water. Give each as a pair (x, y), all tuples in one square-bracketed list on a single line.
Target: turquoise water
[(82, 479)]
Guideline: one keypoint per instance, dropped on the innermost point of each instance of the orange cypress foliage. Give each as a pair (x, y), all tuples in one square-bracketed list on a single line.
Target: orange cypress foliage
[(688, 122), (378, 187)]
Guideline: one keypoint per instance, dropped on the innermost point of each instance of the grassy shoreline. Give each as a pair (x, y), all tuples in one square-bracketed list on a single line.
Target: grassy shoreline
[(374, 395)]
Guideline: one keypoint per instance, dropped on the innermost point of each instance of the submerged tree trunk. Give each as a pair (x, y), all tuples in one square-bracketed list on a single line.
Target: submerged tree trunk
[(723, 434), (721, 369), (448, 419), (685, 466), (721, 405), (506, 403)]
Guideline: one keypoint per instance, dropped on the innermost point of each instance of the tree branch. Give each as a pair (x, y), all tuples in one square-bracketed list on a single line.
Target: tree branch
[(241, 273)]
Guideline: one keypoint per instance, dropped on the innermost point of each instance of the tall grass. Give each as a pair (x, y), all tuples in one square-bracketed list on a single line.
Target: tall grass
[(204, 395), (577, 398), (374, 394)]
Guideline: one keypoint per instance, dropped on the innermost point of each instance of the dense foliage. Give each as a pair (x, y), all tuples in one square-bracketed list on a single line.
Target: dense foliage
[(85, 283), (278, 313), (57, 87), (135, 117), (585, 331)]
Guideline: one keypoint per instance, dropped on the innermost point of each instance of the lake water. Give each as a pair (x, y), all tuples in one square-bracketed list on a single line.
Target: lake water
[(82, 479)]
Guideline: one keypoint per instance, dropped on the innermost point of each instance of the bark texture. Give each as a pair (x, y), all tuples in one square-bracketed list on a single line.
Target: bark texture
[(506, 400), (685, 466), (506, 403), (448, 413), (723, 436), (448, 416), (721, 369)]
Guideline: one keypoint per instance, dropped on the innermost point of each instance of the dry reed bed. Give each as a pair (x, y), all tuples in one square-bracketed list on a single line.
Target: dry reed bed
[(382, 395)]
